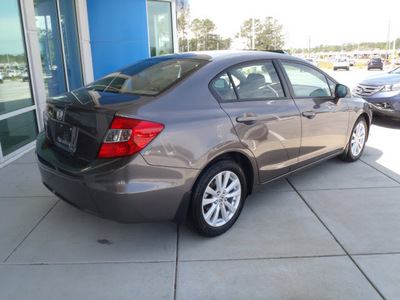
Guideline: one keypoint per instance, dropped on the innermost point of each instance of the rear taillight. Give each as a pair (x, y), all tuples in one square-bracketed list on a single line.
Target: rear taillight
[(128, 136)]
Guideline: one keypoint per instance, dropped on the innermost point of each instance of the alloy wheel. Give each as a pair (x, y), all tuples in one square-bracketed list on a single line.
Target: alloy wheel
[(221, 198), (358, 139)]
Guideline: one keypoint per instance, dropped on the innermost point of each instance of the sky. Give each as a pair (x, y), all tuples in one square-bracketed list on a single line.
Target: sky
[(333, 22), (10, 29)]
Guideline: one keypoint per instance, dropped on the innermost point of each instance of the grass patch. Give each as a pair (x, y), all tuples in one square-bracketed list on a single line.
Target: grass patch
[(325, 64)]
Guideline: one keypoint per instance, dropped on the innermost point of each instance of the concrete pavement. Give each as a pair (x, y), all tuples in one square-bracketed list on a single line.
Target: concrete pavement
[(331, 232)]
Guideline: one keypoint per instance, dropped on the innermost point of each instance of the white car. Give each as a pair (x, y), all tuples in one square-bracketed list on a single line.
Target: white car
[(341, 63), (1, 78)]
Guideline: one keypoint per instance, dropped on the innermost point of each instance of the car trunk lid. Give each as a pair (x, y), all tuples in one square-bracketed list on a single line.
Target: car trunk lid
[(76, 122)]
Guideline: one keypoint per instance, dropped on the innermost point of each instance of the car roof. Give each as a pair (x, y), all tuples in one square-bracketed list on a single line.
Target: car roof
[(235, 56)]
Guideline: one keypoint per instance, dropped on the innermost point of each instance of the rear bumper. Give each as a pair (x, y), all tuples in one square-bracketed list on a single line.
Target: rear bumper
[(136, 192)]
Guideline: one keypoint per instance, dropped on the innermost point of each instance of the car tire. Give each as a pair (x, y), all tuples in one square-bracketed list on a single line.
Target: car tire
[(218, 198), (356, 144)]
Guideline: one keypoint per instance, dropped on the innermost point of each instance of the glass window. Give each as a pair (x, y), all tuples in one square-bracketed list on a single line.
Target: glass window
[(17, 131), (160, 27), (15, 87), (224, 88), (60, 57), (71, 44), (332, 86), (149, 77), (306, 81), (257, 81), (50, 46)]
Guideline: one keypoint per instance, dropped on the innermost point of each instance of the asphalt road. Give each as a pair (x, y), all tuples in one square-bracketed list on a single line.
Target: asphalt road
[(354, 76)]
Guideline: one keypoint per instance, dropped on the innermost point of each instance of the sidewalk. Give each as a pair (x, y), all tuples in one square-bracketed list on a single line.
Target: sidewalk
[(331, 232)]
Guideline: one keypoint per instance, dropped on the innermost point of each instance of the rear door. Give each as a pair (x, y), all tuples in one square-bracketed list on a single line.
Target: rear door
[(266, 120), (324, 118)]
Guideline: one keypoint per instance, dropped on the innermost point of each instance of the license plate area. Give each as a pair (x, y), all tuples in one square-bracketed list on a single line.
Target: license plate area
[(65, 136)]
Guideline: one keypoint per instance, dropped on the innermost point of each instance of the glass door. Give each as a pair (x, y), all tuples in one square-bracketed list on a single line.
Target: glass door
[(59, 47)]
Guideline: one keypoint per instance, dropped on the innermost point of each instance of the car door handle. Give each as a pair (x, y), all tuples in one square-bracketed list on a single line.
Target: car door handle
[(308, 114), (247, 119)]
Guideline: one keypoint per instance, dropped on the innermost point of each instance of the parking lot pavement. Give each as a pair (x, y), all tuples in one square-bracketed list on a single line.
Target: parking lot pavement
[(330, 232)]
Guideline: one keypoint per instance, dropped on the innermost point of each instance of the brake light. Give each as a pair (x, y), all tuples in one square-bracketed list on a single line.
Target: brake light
[(128, 136)]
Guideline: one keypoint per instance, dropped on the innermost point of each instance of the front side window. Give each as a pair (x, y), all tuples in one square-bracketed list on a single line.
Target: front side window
[(306, 81), (251, 82)]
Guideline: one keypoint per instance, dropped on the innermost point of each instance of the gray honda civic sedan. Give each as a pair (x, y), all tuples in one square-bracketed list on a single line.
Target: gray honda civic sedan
[(186, 138)]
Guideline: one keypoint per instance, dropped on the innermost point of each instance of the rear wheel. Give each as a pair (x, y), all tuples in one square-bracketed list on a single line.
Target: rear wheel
[(357, 141), (217, 199)]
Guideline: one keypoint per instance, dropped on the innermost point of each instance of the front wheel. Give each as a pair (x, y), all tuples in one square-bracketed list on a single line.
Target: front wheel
[(217, 199), (357, 141)]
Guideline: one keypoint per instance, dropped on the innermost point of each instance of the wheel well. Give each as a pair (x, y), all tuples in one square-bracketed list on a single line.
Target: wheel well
[(367, 120), (239, 158)]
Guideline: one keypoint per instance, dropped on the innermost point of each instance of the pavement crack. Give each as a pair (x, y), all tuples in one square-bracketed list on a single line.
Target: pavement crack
[(337, 241), (23, 240), (176, 261)]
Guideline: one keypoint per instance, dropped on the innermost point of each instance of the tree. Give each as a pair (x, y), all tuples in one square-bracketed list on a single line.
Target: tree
[(183, 28), (267, 34), (206, 29), (203, 32), (195, 26)]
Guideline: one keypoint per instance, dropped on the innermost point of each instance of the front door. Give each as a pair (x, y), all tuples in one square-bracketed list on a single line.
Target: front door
[(324, 118)]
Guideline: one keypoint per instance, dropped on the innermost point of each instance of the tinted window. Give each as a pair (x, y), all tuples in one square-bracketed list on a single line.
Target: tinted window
[(149, 77), (251, 81), (306, 81)]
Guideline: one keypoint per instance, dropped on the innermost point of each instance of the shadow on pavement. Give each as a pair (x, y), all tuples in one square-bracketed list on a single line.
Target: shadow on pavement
[(386, 122)]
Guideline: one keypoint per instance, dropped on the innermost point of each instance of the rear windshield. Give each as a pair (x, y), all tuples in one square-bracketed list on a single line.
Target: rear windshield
[(376, 60), (148, 77)]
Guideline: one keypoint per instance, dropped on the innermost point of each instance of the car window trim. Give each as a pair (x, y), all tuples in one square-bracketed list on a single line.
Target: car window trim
[(226, 70)]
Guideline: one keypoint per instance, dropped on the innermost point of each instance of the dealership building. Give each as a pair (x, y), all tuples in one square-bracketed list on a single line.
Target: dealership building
[(48, 47)]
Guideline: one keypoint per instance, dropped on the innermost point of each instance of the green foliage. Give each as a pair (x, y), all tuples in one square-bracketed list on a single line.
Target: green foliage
[(267, 34), (10, 58), (349, 47), (203, 32)]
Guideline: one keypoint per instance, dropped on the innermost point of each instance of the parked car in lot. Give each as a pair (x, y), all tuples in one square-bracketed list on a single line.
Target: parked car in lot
[(375, 63), (12, 74), (25, 76), (382, 92), (341, 63), (313, 61), (187, 138), (1, 78)]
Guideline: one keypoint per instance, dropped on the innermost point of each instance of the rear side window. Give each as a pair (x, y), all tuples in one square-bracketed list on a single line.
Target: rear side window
[(306, 81), (253, 81), (149, 77)]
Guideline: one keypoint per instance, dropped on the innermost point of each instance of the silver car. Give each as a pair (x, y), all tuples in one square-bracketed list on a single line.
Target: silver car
[(186, 138)]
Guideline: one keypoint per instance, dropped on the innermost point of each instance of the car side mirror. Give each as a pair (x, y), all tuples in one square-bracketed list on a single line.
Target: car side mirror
[(341, 91)]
